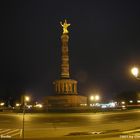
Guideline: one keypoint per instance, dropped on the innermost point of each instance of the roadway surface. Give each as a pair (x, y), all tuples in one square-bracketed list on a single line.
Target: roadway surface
[(73, 126)]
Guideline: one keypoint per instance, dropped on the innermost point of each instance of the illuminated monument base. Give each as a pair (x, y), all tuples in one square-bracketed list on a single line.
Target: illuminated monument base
[(63, 101), (65, 95)]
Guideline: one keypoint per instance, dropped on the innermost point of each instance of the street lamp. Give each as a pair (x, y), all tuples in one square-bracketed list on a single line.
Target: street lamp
[(25, 100), (18, 105), (91, 98), (38, 105), (138, 101), (135, 72), (97, 97), (94, 99), (2, 104), (123, 102), (130, 101)]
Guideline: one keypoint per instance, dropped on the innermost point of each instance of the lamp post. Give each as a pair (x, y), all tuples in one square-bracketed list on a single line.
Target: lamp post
[(97, 97), (94, 98), (2, 104), (135, 72), (25, 100)]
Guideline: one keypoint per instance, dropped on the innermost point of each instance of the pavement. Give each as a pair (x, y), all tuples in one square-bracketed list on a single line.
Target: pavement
[(10, 133), (72, 126)]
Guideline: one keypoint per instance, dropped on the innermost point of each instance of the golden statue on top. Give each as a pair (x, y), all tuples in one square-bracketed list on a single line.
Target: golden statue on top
[(65, 26)]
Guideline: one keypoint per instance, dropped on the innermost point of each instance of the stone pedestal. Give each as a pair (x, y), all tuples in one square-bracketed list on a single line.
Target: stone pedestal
[(62, 101)]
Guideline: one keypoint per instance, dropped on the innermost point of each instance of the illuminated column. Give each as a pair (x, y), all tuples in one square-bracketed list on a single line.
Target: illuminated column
[(70, 87), (65, 85), (75, 88), (58, 87), (65, 57), (62, 84)]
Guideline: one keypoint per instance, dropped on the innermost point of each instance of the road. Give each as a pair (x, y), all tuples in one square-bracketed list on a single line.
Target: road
[(107, 125)]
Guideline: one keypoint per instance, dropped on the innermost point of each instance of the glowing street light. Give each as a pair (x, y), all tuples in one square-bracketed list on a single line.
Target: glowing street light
[(97, 97), (94, 99), (123, 102), (135, 71), (17, 104), (130, 101), (26, 99), (138, 101), (91, 98), (39, 105), (2, 104)]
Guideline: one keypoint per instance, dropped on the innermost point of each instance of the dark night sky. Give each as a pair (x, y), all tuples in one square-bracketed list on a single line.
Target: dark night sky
[(104, 44)]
